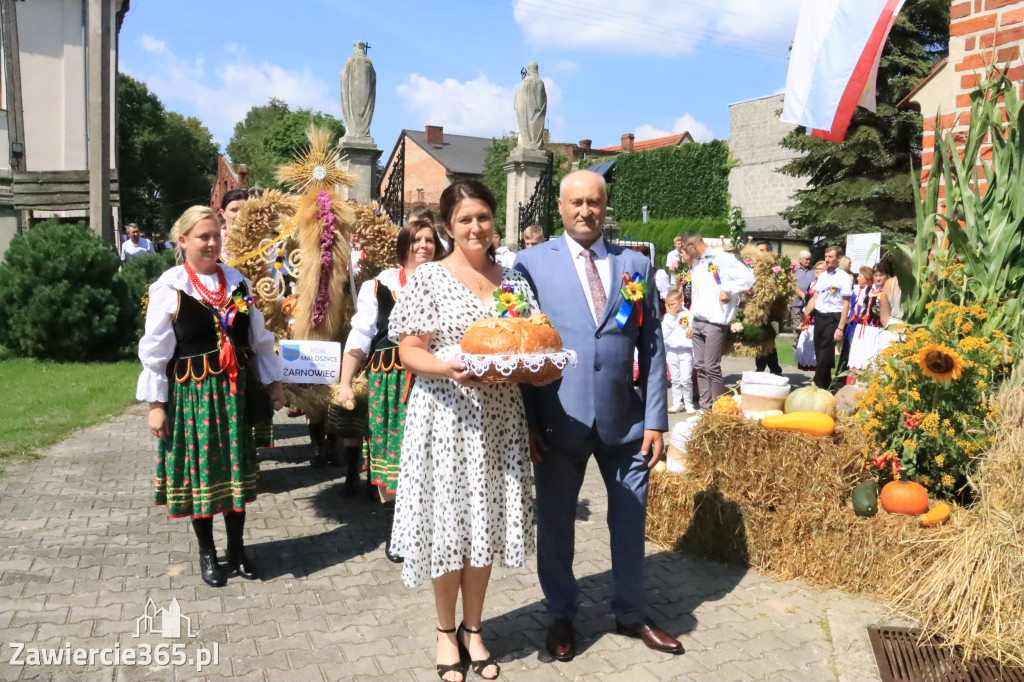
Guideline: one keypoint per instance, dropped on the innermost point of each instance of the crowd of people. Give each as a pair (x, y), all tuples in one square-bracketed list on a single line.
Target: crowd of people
[(474, 474)]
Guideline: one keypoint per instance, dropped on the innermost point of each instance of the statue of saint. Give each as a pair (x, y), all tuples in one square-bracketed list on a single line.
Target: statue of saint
[(358, 93), (531, 104)]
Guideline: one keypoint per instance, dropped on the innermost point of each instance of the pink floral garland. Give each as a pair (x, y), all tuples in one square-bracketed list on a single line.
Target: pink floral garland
[(327, 237)]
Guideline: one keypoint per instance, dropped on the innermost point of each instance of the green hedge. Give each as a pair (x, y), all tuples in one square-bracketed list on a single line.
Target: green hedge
[(690, 181), (661, 232)]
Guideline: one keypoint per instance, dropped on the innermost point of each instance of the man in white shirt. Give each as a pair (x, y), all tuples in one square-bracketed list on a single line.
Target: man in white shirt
[(718, 279), (505, 257), (675, 256), (135, 245), (831, 306)]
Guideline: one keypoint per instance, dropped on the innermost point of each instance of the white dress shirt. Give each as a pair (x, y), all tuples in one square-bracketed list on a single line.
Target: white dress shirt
[(830, 290), (364, 321), (673, 331), (604, 270), (158, 343), (130, 249), (662, 282), (505, 256), (735, 278)]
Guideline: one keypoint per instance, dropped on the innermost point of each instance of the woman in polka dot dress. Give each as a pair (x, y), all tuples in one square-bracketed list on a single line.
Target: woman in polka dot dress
[(465, 488)]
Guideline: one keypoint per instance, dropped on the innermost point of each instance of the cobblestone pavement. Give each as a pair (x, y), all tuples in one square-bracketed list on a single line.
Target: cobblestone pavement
[(82, 549)]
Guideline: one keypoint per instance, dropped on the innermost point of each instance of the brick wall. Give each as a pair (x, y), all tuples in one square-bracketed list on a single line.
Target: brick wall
[(982, 33), (425, 177), (755, 184), (227, 180)]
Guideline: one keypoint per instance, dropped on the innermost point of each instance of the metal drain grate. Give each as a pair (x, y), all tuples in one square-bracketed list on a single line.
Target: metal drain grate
[(901, 659)]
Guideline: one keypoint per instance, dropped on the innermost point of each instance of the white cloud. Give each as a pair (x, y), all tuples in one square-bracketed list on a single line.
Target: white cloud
[(686, 123), (656, 27), (152, 45), (474, 107), (221, 97)]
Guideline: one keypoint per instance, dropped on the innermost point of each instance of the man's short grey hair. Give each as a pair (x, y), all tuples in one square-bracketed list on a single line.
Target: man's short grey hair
[(805, 254), (566, 180), (692, 237)]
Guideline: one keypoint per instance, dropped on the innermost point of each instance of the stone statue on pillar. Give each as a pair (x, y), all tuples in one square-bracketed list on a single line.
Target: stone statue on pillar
[(358, 96), (358, 93), (531, 105)]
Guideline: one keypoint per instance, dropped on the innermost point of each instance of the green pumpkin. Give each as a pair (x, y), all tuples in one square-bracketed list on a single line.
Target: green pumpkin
[(865, 499), (811, 399)]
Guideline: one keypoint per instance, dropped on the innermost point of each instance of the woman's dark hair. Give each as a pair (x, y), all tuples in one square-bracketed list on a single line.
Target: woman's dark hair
[(407, 234), (884, 266), (467, 189), (233, 195)]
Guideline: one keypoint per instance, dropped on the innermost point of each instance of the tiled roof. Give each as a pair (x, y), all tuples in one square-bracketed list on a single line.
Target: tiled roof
[(460, 154), (654, 143)]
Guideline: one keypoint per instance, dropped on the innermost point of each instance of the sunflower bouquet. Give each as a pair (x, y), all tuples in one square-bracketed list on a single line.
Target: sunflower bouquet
[(929, 397)]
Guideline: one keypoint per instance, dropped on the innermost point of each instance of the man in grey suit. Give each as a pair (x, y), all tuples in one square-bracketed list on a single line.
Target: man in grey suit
[(595, 410)]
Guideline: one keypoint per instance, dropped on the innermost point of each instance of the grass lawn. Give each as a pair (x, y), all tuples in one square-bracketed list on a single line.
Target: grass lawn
[(787, 355), (42, 402)]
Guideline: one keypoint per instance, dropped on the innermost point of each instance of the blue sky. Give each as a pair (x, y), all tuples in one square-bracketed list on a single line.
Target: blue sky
[(650, 67)]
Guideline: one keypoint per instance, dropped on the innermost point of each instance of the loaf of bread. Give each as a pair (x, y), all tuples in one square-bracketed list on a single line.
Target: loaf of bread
[(511, 336)]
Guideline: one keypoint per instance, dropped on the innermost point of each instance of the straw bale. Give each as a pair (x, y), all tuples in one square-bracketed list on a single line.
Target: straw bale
[(966, 586), (779, 502)]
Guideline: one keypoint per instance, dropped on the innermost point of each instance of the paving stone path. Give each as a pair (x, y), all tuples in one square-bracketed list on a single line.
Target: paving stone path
[(82, 550)]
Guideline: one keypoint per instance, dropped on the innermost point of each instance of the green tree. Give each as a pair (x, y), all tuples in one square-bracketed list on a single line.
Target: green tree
[(864, 183), (494, 175), (271, 134), (166, 161)]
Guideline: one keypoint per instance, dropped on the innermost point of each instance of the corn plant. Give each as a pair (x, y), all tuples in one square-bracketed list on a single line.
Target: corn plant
[(978, 232)]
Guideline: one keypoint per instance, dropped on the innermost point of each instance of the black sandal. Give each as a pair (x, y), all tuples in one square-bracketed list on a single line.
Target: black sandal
[(460, 667), (477, 666)]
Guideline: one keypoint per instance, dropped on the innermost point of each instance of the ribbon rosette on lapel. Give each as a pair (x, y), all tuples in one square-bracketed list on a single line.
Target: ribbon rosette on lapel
[(238, 304), (684, 321), (833, 290), (633, 291), (713, 269), (510, 303)]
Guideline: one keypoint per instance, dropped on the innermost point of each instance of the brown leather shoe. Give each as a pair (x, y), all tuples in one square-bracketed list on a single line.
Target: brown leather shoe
[(653, 636), (561, 641)]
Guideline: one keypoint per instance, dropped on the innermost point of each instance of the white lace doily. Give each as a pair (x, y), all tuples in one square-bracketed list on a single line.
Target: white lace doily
[(506, 364)]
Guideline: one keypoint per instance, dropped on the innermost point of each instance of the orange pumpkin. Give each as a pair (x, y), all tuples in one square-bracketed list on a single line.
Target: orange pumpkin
[(904, 497)]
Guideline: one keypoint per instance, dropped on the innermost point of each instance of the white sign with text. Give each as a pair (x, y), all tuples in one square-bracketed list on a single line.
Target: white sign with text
[(311, 362), (863, 249)]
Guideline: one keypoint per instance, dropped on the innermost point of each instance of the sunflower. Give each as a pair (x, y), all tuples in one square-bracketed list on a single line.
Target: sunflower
[(939, 362), (634, 291)]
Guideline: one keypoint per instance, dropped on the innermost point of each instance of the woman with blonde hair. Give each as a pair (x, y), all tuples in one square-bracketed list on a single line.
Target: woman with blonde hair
[(203, 340)]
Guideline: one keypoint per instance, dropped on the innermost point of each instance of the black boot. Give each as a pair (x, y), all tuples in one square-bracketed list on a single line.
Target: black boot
[(210, 570), (317, 436), (234, 521), (331, 450), (353, 462), (389, 516)]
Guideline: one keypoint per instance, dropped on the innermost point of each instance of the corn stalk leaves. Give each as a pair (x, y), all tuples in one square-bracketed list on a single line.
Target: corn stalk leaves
[(980, 221)]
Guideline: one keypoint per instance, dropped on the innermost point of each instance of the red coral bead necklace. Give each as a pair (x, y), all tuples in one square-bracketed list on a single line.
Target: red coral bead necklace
[(214, 298)]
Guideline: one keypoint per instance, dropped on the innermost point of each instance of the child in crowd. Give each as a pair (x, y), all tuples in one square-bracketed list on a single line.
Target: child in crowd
[(678, 352)]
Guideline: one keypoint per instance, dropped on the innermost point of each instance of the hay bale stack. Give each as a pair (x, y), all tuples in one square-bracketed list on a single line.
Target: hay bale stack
[(966, 585), (778, 501)]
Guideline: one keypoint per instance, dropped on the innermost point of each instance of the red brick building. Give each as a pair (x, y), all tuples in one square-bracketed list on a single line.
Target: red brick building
[(629, 143), (228, 178), (982, 34)]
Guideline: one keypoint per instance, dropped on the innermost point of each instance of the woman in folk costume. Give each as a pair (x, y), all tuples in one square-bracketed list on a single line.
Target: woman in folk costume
[(202, 340), (804, 355), (861, 287), (389, 383), (865, 345)]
